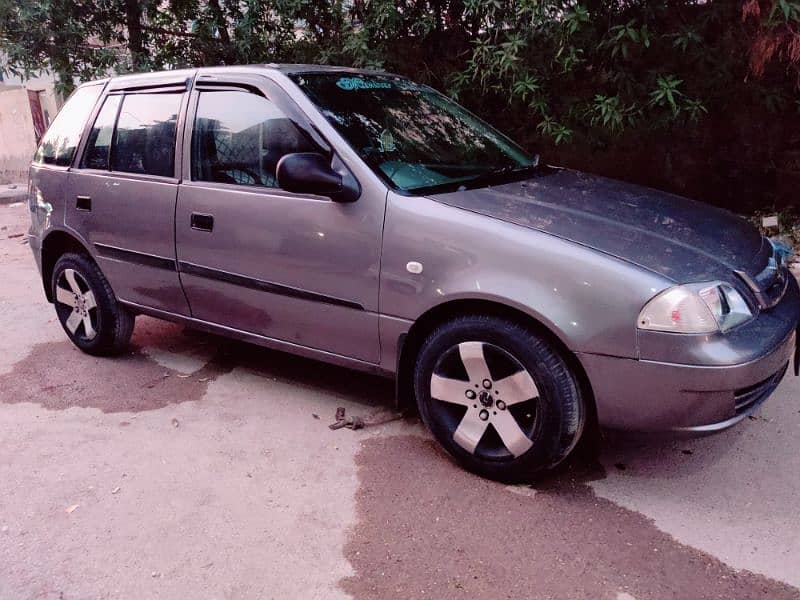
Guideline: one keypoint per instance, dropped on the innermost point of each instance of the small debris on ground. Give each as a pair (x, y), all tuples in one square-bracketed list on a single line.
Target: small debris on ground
[(758, 418), (115, 490), (316, 416), (155, 574), (175, 422), (15, 235), (769, 221), (687, 451), (521, 490), (355, 422), (71, 509), (344, 421)]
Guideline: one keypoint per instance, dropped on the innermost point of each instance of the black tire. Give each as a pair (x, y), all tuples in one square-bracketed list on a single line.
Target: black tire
[(105, 328), (552, 423)]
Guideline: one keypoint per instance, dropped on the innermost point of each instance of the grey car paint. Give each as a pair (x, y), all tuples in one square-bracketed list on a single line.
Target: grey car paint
[(579, 254), (326, 253), (678, 238)]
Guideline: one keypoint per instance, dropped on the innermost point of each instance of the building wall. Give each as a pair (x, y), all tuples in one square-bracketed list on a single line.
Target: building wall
[(44, 83), (17, 139)]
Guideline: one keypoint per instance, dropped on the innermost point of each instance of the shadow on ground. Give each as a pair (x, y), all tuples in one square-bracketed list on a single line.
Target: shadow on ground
[(59, 376)]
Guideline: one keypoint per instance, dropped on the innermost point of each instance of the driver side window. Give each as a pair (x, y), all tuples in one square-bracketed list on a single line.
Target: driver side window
[(239, 137)]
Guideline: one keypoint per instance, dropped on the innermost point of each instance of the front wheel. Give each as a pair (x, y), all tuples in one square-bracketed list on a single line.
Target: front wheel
[(498, 397), (87, 308)]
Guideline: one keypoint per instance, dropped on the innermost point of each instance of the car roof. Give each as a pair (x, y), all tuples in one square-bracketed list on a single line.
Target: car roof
[(288, 69)]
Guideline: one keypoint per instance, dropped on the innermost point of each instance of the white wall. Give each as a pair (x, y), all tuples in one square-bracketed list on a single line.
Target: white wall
[(17, 138)]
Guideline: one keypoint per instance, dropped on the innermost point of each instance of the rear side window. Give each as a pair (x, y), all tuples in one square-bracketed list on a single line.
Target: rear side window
[(239, 137), (98, 146), (144, 141), (59, 143)]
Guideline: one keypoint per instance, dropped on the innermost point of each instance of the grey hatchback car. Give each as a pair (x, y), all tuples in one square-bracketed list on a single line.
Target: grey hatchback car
[(362, 219)]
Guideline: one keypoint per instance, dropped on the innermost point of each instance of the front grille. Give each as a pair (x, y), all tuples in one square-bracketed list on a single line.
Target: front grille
[(769, 285), (773, 281), (748, 397)]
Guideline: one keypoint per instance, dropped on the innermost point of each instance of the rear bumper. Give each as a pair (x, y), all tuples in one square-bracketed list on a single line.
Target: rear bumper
[(35, 243), (640, 395)]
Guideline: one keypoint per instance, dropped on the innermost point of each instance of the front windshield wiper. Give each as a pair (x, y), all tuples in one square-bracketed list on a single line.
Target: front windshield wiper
[(495, 176), (501, 174)]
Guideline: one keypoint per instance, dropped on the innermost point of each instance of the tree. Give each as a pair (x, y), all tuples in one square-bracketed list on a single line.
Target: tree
[(583, 78), (71, 38)]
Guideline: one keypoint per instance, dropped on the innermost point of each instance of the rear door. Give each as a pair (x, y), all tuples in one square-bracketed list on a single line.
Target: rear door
[(122, 193), (293, 267)]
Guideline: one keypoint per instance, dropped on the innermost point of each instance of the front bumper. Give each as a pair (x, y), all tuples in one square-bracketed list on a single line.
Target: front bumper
[(652, 395)]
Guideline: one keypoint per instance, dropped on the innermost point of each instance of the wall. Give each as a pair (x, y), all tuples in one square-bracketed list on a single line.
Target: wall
[(17, 140), (44, 83)]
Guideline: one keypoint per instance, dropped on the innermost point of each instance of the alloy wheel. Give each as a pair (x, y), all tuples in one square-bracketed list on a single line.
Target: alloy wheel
[(487, 399), (76, 304)]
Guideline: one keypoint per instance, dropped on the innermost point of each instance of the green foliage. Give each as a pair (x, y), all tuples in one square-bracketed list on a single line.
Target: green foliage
[(574, 69), (785, 12)]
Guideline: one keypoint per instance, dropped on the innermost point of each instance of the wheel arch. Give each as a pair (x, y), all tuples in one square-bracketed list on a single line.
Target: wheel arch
[(56, 244), (411, 342)]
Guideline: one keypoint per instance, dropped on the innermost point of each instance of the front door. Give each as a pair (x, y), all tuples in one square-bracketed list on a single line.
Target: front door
[(298, 268), (122, 197)]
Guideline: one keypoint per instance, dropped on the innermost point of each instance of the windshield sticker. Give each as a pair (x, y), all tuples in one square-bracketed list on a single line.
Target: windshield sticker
[(356, 83), (387, 141)]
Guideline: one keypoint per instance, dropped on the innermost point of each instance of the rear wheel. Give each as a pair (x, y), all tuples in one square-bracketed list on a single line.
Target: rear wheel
[(87, 308), (498, 397)]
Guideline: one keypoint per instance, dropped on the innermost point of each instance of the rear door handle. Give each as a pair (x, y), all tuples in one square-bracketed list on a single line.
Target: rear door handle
[(202, 222), (83, 203)]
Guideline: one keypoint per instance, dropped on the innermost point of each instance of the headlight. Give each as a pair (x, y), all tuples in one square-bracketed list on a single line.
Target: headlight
[(695, 308)]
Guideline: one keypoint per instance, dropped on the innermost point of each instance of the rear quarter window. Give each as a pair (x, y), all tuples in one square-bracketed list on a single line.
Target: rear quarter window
[(61, 139)]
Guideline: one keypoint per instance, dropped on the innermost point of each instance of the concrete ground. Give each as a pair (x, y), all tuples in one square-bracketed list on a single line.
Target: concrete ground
[(11, 193), (195, 467)]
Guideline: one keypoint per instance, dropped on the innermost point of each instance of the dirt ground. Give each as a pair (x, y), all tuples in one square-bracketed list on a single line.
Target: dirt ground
[(196, 467)]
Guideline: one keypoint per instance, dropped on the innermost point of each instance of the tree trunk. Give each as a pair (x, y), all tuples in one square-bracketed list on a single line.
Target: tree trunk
[(133, 20), (222, 28)]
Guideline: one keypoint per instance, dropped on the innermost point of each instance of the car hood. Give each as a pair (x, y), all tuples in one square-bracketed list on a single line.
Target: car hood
[(676, 237)]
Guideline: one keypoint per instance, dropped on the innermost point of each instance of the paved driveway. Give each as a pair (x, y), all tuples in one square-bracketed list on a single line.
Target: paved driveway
[(195, 467)]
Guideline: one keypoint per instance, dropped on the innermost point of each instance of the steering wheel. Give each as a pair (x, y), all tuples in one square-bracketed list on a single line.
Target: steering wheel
[(227, 169)]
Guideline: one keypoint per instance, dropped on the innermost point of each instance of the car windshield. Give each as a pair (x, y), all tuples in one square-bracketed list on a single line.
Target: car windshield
[(416, 139)]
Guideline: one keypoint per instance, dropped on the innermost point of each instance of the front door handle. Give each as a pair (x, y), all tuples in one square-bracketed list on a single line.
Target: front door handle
[(202, 222)]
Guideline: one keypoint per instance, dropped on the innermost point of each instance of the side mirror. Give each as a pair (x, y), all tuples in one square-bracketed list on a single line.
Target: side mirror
[(312, 173)]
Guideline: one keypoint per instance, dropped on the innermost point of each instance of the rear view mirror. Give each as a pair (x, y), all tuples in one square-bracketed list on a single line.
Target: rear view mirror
[(312, 173)]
